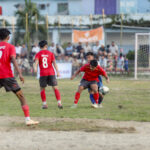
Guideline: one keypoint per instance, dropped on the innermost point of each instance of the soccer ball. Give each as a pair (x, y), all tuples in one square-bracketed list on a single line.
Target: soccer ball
[(104, 90)]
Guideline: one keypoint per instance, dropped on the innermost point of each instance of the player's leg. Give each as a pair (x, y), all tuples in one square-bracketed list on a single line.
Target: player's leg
[(94, 88), (43, 84), (77, 96), (58, 96), (43, 98)]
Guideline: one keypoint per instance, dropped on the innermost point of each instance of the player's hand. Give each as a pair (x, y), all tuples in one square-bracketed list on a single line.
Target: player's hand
[(21, 78), (35, 70), (107, 80), (58, 74), (72, 77)]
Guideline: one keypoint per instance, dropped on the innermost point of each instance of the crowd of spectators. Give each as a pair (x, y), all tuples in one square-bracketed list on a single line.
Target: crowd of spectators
[(109, 57)]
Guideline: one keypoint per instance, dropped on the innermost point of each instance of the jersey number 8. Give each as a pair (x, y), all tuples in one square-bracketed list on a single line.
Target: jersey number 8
[(1, 54), (45, 64)]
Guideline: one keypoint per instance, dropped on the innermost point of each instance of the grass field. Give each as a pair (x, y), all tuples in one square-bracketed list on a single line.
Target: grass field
[(133, 96)]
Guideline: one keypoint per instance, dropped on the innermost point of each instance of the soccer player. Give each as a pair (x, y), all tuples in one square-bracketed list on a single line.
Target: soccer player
[(89, 57), (46, 61), (89, 80), (7, 80)]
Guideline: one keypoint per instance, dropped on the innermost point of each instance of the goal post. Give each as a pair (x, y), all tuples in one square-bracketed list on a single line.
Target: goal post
[(142, 55)]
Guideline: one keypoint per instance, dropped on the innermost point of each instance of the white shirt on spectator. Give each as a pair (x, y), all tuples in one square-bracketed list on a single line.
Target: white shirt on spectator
[(113, 49), (96, 48), (35, 49), (87, 48), (52, 49), (18, 50)]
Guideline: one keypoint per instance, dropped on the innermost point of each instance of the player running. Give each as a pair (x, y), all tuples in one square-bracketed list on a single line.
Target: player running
[(89, 80), (7, 80), (46, 61)]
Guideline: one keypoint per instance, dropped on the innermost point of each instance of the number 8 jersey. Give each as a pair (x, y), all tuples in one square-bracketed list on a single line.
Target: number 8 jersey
[(45, 59)]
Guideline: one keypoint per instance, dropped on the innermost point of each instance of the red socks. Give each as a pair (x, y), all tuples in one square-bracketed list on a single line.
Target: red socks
[(25, 109), (77, 96), (96, 97), (43, 96), (57, 94)]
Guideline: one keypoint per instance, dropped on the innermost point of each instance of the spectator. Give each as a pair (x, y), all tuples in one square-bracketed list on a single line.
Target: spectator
[(121, 63), (82, 61), (79, 47), (52, 48), (103, 62), (109, 63), (75, 64), (24, 51), (59, 51), (108, 49), (126, 65), (113, 48), (69, 49), (35, 49), (102, 48), (115, 61), (87, 47), (18, 50), (96, 48), (81, 54)]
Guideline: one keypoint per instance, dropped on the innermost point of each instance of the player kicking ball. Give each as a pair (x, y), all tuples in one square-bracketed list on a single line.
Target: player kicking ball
[(46, 61), (89, 80), (7, 80)]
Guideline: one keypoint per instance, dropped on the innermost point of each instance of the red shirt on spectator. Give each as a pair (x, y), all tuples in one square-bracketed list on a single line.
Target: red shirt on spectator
[(6, 52), (45, 59), (92, 75)]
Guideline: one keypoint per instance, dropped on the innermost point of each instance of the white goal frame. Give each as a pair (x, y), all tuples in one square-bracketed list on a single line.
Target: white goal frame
[(136, 52)]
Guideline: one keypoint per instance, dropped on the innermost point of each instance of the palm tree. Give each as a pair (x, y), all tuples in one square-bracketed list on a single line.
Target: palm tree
[(33, 34)]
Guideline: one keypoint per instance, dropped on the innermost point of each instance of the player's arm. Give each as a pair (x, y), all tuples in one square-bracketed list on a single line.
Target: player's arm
[(56, 68), (75, 74), (13, 60), (104, 74), (36, 65)]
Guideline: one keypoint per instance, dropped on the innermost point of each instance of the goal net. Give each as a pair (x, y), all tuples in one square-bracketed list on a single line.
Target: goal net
[(142, 55)]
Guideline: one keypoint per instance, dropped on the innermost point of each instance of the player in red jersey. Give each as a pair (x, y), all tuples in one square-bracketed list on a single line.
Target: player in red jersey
[(7, 80), (46, 61), (89, 80)]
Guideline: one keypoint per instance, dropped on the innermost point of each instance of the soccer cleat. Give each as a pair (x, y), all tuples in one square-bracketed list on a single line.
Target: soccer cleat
[(60, 106), (94, 106), (31, 122), (74, 106), (45, 106), (100, 106)]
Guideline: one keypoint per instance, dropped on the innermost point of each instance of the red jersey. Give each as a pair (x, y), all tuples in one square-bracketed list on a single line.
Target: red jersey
[(6, 52), (92, 75), (45, 59)]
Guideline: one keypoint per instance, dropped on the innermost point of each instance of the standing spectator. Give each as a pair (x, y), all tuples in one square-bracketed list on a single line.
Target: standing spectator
[(18, 50), (69, 49), (113, 48), (52, 48), (96, 48), (79, 47), (81, 54), (59, 51), (87, 47), (121, 63), (24, 51), (126, 65), (75, 64), (102, 48), (115, 61), (109, 63), (108, 49), (35, 49)]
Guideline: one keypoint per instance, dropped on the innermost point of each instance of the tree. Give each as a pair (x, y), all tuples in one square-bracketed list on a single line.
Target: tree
[(33, 16)]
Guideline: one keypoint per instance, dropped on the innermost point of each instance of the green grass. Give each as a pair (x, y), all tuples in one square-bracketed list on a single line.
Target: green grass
[(133, 96)]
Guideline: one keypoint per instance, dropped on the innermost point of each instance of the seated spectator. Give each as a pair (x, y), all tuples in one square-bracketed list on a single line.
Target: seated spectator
[(59, 51), (108, 49), (113, 48), (79, 47), (103, 62), (115, 61), (109, 63), (24, 51), (96, 48), (67, 59), (69, 49), (18, 50), (81, 54), (82, 61), (102, 48), (87, 47), (35, 49), (52, 48)]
